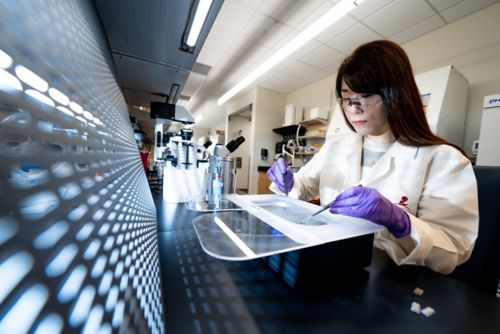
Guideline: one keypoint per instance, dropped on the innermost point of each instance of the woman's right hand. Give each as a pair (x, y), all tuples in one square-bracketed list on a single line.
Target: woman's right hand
[(281, 174)]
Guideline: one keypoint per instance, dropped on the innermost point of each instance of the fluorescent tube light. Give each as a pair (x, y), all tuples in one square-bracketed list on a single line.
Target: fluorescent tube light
[(198, 21), (334, 14), (172, 96)]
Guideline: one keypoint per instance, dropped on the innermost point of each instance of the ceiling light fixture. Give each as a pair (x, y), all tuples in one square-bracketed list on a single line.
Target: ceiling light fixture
[(334, 14), (198, 118), (194, 24), (172, 96)]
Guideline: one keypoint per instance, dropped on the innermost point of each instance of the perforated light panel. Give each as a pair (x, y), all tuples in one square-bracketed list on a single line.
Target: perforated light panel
[(78, 235)]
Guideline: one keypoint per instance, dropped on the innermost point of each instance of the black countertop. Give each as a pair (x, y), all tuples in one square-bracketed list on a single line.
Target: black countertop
[(263, 168), (202, 294)]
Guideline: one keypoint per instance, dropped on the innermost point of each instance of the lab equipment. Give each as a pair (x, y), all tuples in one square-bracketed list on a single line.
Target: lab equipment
[(489, 136), (220, 177), (221, 174), (444, 94), (267, 224), (219, 180)]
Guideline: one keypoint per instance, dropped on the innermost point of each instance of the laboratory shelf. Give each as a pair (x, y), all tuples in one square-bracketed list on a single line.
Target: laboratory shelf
[(312, 137), (314, 121), (290, 130)]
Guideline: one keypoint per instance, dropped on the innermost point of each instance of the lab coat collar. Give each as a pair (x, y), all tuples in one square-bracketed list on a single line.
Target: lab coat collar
[(399, 150), (386, 162)]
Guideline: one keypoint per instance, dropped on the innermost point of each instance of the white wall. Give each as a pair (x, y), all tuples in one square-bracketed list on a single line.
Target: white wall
[(317, 94), (269, 113), (237, 105), (245, 150), (471, 44), (241, 126), (200, 132)]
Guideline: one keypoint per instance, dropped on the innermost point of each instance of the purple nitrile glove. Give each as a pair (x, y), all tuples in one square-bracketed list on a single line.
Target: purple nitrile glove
[(368, 203), (281, 174)]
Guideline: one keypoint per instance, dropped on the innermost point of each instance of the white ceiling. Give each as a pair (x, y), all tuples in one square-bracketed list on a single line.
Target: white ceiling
[(246, 32)]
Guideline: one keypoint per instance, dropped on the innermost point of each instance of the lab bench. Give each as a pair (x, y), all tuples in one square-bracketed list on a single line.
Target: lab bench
[(202, 294)]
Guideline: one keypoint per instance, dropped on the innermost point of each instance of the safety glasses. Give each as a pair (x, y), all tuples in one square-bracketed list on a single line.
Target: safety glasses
[(363, 101)]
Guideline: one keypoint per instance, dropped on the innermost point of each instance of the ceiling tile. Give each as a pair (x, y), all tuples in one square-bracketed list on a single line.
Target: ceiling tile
[(418, 29), (283, 64), (317, 11), (399, 15), (294, 85), (259, 54), (441, 5), (277, 35), (323, 57), (232, 16), (367, 8), (276, 8), (233, 77), (352, 38), (258, 27), (300, 70), (465, 8), (334, 68), (254, 4), (267, 75), (279, 44), (315, 76), (209, 56), (305, 49), (193, 83), (283, 80), (336, 29), (236, 53), (273, 86), (218, 39)]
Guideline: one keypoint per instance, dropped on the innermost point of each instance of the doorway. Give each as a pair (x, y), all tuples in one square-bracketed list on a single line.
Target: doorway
[(239, 124)]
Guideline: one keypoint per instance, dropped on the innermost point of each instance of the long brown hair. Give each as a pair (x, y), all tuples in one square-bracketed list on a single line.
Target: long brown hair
[(383, 68)]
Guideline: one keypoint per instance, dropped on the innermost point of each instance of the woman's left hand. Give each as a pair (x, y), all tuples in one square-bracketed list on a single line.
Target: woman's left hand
[(368, 203)]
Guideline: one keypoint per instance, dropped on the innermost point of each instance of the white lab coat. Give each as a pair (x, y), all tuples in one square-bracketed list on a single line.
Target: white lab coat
[(438, 181)]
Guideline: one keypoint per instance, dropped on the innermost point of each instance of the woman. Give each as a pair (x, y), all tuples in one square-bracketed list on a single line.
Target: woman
[(392, 170)]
